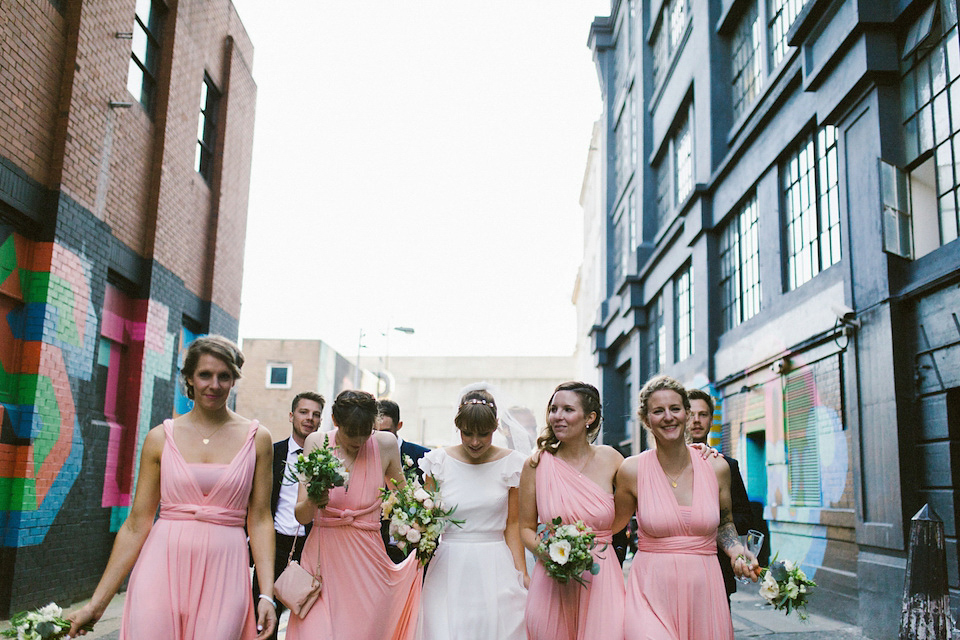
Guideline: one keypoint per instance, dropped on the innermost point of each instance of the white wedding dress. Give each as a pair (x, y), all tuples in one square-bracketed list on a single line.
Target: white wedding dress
[(472, 590)]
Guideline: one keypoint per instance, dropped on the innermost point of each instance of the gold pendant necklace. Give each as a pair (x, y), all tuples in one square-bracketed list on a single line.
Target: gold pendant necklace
[(206, 440), (674, 481)]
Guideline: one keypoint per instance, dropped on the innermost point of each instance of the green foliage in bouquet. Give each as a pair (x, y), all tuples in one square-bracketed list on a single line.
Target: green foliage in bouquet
[(784, 585), (45, 623), (417, 516), (319, 471), (565, 550)]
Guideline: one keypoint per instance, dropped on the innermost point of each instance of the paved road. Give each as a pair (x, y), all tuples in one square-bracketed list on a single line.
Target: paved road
[(751, 619)]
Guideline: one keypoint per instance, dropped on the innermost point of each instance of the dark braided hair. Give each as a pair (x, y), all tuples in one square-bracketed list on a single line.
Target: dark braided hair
[(355, 412)]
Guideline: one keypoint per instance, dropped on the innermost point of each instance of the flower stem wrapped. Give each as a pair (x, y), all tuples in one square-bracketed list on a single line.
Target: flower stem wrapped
[(40, 624), (566, 550), (320, 470), (785, 586)]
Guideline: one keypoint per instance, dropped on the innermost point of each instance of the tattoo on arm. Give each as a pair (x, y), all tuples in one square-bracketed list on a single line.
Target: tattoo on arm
[(727, 533)]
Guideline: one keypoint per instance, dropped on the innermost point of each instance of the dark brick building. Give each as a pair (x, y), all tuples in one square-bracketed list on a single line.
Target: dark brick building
[(125, 145), (780, 226)]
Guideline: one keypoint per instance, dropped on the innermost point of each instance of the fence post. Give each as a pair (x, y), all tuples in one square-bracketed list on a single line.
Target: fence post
[(926, 601)]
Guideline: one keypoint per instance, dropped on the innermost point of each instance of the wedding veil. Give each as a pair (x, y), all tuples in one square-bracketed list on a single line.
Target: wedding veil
[(517, 425)]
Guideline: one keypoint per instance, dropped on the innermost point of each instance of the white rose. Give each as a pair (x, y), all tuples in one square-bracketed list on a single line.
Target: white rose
[(413, 535), (788, 565), (560, 551), (568, 530), (428, 504), (769, 589), (51, 611), (402, 529), (421, 494)]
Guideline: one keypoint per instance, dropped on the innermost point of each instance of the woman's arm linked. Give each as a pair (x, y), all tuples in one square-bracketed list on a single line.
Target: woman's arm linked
[(512, 534)]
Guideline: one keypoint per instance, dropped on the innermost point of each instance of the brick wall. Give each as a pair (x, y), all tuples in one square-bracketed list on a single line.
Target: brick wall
[(95, 198)]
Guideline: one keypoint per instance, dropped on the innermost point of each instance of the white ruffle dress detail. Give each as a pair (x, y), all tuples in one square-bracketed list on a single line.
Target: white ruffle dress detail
[(472, 590)]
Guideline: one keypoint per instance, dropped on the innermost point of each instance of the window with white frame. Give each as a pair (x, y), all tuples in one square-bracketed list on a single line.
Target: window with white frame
[(780, 17), (683, 160), (683, 330), (673, 25), (664, 203), (622, 141), (747, 61), (740, 266), (656, 335), (279, 375), (145, 54), (674, 172), (624, 237), (930, 96), (811, 201)]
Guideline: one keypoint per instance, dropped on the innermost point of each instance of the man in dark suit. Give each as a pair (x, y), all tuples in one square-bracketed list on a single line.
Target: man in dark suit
[(390, 421), (701, 413), (306, 414)]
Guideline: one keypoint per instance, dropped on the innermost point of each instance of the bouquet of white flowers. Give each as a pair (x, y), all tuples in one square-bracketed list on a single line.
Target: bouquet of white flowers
[(784, 585), (567, 550), (417, 517), (40, 624), (319, 471)]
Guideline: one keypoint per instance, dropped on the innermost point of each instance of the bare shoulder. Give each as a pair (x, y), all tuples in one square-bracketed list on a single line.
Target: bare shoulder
[(155, 439), (264, 438), (719, 466), (608, 454), (314, 440), (386, 441)]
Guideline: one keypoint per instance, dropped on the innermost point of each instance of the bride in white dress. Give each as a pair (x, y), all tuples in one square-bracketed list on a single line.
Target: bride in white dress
[(475, 588)]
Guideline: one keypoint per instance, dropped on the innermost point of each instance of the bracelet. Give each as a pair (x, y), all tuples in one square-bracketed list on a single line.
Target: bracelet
[(264, 596)]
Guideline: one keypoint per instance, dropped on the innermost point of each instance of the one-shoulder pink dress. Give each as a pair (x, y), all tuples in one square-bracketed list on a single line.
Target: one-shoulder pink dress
[(192, 579), (571, 611), (675, 590), (364, 594)]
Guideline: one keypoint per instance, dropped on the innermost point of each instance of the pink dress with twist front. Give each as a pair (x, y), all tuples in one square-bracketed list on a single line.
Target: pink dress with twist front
[(364, 594), (192, 579), (675, 590), (571, 611)]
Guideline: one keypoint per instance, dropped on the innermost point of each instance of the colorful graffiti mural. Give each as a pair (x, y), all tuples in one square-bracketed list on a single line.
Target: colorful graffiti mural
[(49, 346), (48, 336)]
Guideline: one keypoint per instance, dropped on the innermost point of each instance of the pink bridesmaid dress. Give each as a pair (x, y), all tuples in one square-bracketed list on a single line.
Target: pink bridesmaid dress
[(365, 595), (675, 590), (192, 579), (571, 611)]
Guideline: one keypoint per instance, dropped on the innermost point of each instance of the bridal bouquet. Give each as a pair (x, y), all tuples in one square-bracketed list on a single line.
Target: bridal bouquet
[(417, 517), (319, 471), (41, 624), (784, 585), (567, 548)]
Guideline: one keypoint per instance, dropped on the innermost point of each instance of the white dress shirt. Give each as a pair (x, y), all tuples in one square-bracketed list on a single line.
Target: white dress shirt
[(285, 521)]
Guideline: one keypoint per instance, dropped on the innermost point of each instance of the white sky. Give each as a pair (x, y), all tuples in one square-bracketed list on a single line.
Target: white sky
[(419, 163)]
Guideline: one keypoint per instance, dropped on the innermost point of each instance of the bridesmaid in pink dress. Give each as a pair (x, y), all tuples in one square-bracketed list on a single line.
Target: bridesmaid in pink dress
[(365, 595), (210, 472), (572, 478), (675, 590)]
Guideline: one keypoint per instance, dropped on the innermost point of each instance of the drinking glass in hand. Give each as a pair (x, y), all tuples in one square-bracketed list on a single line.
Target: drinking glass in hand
[(752, 542)]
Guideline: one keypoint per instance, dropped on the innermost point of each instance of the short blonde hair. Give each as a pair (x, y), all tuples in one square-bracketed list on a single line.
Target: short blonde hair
[(660, 383)]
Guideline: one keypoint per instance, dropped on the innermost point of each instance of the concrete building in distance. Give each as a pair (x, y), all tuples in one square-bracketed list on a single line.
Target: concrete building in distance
[(125, 146), (780, 227), (425, 387)]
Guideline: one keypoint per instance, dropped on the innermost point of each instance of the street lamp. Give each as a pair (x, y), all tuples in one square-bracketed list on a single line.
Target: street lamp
[(406, 330)]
